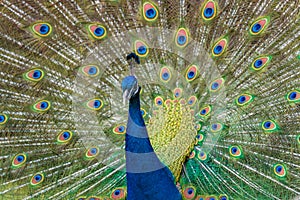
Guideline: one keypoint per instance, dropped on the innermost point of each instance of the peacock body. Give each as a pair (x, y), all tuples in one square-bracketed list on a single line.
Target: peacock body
[(220, 96)]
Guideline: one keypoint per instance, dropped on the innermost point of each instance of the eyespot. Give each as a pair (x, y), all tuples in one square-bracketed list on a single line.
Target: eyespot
[(150, 12), (198, 127), (200, 138), (168, 102), (269, 126), (64, 137), (260, 62), (94, 198), (41, 29), (244, 99), (177, 93), (41, 106), (209, 10), (235, 151), (223, 197), (202, 156), (143, 112), (119, 129), (259, 26), (91, 153), (280, 170), (19, 160), (3, 118), (34, 75), (192, 101), (97, 31), (200, 197), (118, 193), (81, 198), (37, 179), (182, 37), (191, 73), (216, 127), (90, 70), (216, 85), (94, 104), (159, 101), (211, 197), (141, 49), (205, 111), (165, 74), (293, 96), (219, 47), (182, 101), (192, 154), (189, 192)]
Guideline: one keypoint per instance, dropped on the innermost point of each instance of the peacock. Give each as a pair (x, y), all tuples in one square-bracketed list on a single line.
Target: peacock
[(150, 99)]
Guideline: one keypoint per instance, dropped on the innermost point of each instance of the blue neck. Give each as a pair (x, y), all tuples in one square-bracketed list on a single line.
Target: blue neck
[(147, 178), (136, 129)]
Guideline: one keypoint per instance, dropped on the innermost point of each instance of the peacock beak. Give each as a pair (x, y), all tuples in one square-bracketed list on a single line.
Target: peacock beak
[(125, 96)]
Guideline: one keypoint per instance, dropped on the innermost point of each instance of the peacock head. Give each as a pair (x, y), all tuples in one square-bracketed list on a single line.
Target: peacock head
[(130, 87)]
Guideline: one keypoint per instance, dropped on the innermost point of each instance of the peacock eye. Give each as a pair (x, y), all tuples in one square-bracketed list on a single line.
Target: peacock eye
[(3, 119), (223, 197), (219, 47), (235, 151), (192, 154), (293, 96), (259, 25), (191, 73), (280, 170), (41, 29), (209, 10), (37, 179), (64, 137), (244, 99), (200, 138), (182, 37), (216, 127), (189, 192), (141, 48), (90, 70), (97, 31), (119, 129), (165, 74), (41, 106), (143, 112), (260, 62), (150, 12), (269, 126), (94, 198), (91, 153), (200, 197), (34, 75), (19, 160), (159, 101), (94, 104), (118, 193), (192, 101), (202, 156), (216, 85), (205, 111), (177, 93)]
